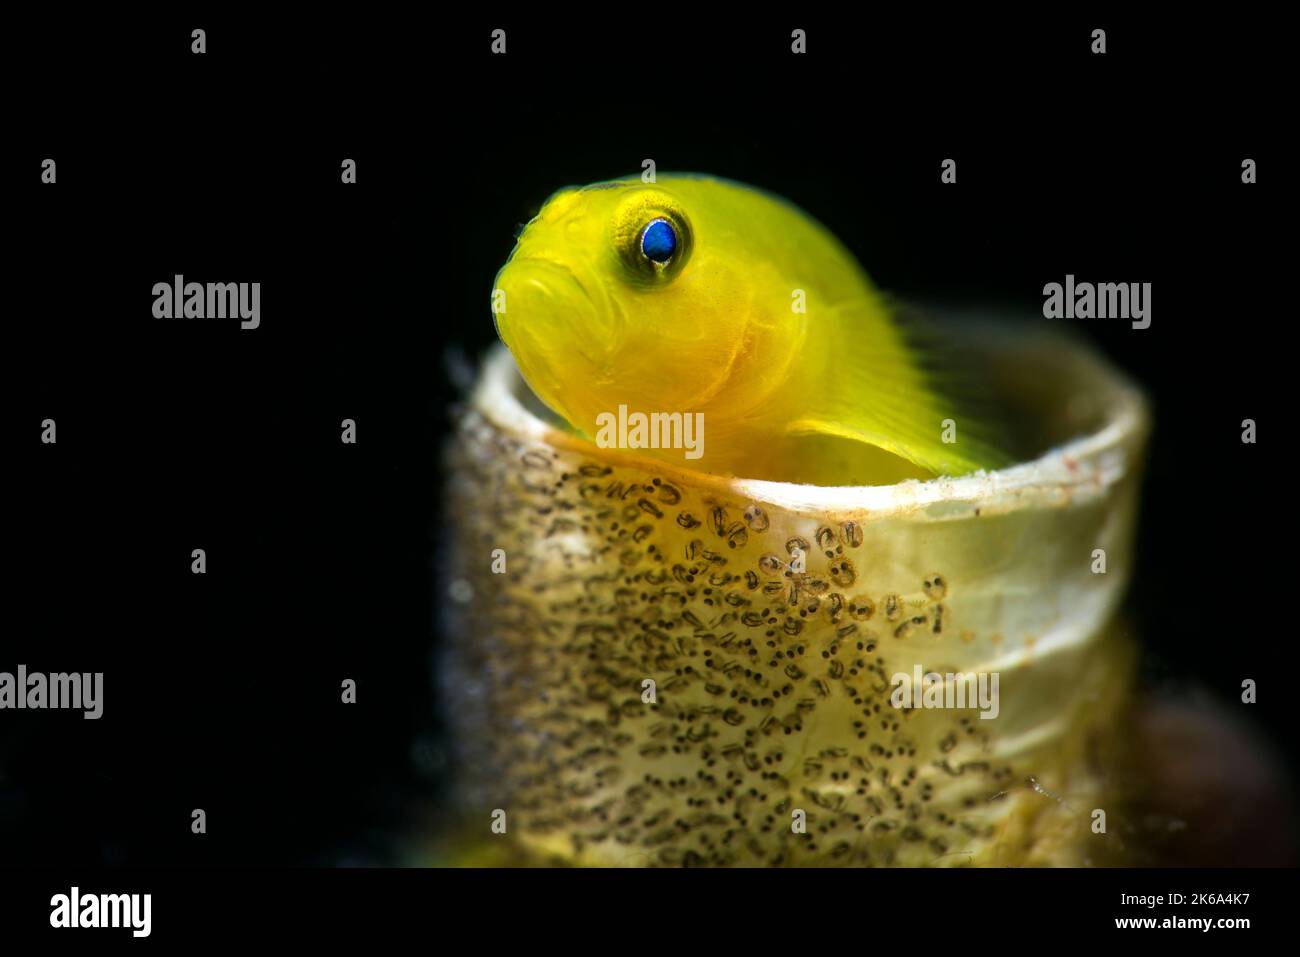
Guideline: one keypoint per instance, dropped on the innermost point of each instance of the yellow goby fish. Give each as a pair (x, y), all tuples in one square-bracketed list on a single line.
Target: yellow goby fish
[(710, 324)]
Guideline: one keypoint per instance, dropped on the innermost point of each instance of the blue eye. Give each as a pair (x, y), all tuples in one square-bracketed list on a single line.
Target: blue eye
[(659, 241)]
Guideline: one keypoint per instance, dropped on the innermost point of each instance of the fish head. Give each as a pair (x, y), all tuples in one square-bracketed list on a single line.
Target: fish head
[(631, 293)]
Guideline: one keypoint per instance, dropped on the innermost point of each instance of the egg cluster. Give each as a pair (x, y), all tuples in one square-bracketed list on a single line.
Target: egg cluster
[(665, 675)]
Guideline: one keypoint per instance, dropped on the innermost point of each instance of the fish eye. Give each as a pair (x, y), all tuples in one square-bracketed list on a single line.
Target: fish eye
[(651, 238), (658, 241)]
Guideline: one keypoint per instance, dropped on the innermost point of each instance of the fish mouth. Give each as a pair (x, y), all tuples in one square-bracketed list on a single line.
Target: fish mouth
[(555, 310)]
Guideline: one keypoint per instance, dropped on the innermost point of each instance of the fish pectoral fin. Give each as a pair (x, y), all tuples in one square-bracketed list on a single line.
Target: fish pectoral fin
[(816, 426), (886, 440), (899, 435)]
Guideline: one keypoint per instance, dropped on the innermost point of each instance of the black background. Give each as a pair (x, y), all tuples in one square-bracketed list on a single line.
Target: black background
[(222, 691)]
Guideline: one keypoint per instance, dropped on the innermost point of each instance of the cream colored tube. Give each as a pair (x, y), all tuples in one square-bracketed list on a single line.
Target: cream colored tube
[(653, 676)]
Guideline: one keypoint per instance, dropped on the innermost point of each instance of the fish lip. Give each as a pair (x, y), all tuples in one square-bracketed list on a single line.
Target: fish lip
[(589, 346), (556, 267)]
